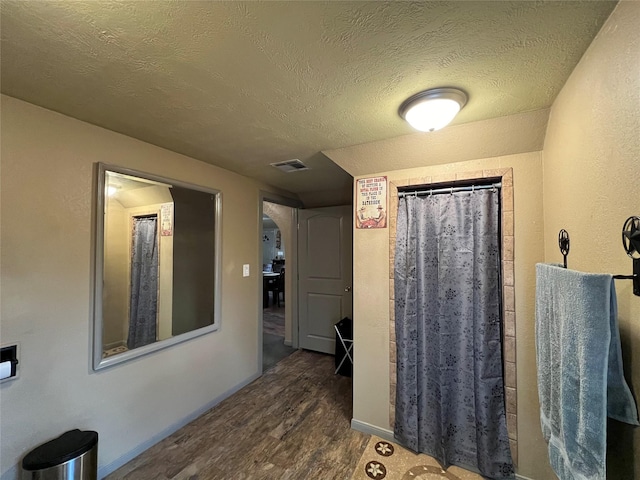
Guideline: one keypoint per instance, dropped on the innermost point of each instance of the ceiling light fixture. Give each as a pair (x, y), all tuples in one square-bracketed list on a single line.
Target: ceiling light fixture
[(432, 109), (112, 190)]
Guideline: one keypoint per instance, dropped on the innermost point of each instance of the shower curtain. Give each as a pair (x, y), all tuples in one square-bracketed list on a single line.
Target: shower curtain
[(449, 390), (144, 282)]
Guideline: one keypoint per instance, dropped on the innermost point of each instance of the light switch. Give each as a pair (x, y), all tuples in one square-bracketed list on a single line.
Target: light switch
[(245, 270)]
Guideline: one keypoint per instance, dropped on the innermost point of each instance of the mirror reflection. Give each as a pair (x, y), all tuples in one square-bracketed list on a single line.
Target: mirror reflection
[(158, 263)]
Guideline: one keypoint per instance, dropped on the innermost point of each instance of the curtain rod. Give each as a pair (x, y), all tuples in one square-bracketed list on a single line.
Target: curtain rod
[(432, 191)]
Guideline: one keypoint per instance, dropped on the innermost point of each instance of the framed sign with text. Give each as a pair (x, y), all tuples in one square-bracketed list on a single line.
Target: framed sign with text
[(371, 202), (166, 219)]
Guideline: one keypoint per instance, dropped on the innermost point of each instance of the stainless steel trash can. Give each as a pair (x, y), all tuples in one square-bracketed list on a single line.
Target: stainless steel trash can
[(71, 456)]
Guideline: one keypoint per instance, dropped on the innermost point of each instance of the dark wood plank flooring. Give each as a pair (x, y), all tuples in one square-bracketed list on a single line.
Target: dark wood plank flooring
[(273, 351), (291, 423), (273, 320)]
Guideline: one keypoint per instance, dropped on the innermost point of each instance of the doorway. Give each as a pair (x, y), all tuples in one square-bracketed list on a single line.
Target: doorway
[(322, 287), (508, 314), (277, 257)]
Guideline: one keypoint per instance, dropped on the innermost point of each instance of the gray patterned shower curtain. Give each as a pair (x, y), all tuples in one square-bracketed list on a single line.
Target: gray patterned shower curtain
[(449, 390), (143, 307)]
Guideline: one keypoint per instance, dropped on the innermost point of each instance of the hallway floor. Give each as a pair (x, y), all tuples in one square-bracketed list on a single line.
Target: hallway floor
[(273, 320), (274, 349), (291, 423)]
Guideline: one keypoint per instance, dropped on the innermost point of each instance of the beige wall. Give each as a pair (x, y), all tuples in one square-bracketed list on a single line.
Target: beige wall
[(48, 170), (592, 183), (371, 303), (116, 267), (283, 217)]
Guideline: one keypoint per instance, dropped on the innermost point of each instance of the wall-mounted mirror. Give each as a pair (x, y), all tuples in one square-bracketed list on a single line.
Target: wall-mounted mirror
[(157, 260)]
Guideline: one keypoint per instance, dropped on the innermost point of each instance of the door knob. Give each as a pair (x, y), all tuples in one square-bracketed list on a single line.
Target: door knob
[(347, 289)]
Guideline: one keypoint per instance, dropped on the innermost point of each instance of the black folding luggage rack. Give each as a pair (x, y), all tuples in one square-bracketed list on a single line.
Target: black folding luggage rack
[(344, 347)]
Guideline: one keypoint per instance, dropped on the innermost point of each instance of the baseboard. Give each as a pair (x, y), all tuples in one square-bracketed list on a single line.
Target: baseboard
[(111, 345), (12, 473), (372, 430), (288, 343), (105, 470)]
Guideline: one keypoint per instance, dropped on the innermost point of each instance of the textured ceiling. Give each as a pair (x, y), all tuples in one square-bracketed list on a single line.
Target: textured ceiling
[(244, 84), (495, 137)]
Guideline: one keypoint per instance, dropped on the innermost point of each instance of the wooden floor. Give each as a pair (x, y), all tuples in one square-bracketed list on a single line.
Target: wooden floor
[(291, 423), (273, 320), (273, 351)]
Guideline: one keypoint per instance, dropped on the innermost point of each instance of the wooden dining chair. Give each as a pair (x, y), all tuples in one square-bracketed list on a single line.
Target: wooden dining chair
[(279, 287)]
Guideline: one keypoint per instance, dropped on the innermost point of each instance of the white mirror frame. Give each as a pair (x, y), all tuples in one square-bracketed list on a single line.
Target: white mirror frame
[(99, 362)]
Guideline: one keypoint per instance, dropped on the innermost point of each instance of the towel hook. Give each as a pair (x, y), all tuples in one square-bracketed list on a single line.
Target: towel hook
[(564, 243), (631, 236), (631, 245)]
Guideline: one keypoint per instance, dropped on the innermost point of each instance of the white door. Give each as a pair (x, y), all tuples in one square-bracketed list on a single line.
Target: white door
[(325, 274)]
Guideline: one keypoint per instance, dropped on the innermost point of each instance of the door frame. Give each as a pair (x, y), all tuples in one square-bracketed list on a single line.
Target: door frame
[(291, 269)]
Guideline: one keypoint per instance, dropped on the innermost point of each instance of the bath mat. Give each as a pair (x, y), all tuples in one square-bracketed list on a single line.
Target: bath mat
[(114, 351), (389, 461)]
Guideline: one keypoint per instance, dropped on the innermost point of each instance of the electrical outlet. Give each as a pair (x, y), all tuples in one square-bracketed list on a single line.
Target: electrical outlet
[(245, 270)]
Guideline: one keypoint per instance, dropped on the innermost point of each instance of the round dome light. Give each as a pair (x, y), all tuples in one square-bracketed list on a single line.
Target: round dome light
[(433, 109)]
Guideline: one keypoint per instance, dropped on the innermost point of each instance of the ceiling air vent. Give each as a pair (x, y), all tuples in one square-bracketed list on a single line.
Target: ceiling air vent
[(289, 166)]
